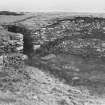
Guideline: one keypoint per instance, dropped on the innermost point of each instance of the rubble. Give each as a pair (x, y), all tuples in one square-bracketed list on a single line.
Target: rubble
[(71, 26), (84, 32)]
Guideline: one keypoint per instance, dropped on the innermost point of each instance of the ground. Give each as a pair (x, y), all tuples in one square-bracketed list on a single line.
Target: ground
[(45, 89), (68, 66)]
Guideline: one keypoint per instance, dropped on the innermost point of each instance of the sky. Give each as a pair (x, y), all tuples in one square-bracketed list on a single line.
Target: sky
[(53, 5)]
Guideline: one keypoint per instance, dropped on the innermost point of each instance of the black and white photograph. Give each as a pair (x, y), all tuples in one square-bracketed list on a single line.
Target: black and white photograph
[(52, 52)]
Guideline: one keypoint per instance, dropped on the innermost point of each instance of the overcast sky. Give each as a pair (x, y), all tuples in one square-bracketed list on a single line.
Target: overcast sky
[(53, 5)]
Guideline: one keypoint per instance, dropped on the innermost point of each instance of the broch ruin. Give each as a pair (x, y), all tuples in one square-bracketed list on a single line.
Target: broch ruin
[(52, 60)]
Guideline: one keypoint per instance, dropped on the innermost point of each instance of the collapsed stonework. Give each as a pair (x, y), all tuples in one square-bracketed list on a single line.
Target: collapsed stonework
[(64, 33)]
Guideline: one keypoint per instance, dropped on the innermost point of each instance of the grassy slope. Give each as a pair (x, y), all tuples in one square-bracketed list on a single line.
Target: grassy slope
[(44, 89)]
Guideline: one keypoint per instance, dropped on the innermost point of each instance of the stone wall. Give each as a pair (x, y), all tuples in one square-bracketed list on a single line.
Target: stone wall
[(10, 43)]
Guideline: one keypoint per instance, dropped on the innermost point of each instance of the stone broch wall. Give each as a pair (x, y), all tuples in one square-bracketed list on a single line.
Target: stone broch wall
[(11, 49)]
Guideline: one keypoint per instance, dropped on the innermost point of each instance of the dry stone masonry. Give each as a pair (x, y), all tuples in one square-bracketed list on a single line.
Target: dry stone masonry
[(11, 49), (12, 66)]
